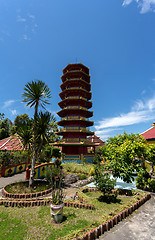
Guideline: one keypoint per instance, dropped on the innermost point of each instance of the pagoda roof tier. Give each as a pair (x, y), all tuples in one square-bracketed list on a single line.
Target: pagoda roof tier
[(75, 110), (63, 143), (73, 81), (75, 130), (75, 100), (75, 66), (75, 74), (76, 91), (70, 120)]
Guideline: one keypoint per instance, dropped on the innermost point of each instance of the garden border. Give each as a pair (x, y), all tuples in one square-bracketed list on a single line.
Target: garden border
[(32, 203), (106, 226)]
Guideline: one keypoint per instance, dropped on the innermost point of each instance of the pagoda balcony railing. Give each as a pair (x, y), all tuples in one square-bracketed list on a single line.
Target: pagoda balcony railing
[(75, 107), (76, 129), (75, 71), (76, 78), (74, 118), (74, 140), (76, 88), (76, 97)]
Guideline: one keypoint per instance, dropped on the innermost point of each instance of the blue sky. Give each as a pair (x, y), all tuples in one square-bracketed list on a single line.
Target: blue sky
[(115, 39)]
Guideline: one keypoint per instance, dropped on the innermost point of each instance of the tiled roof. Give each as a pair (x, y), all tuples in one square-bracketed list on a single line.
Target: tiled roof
[(96, 139), (150, 133), (12, 143)]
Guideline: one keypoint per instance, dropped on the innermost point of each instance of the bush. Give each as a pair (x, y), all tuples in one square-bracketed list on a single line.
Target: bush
[(92, 172), (103, 181), (8, 158)]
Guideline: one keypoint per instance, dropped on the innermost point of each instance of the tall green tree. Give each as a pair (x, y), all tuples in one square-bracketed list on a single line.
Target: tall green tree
[(122, 154), (151, 156), (5, 126), (36, 94)]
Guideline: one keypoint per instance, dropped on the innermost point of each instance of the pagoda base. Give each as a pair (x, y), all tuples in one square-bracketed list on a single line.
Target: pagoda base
[(78, 158), (76, 151)]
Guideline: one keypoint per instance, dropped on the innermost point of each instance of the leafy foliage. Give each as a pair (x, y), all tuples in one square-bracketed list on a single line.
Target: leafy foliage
[(8, 158), (36, 93), (102, 180), (5, 127), (122, 154)]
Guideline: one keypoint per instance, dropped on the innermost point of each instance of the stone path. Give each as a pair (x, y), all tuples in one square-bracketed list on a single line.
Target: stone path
[(140, 225), (8, 180), (68, 192)]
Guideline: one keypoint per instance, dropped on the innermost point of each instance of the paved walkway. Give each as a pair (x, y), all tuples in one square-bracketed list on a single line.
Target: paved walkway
[(68, 192), (140, 225), (8, 180)]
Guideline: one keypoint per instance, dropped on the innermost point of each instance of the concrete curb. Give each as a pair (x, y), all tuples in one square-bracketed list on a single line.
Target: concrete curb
[(106, 226), (32, 203)]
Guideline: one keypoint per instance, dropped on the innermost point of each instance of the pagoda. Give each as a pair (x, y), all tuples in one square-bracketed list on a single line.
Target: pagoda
[(75, 112)]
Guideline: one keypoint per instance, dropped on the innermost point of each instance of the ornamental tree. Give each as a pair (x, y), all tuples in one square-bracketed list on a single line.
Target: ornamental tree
[(122, 154)]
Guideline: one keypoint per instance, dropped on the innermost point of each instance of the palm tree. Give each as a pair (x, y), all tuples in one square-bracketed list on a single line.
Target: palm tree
[(25, 132), (36, 93), (43, 130)]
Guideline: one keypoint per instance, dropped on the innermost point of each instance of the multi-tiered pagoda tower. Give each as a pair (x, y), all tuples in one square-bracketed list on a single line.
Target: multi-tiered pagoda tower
[(75, 112)]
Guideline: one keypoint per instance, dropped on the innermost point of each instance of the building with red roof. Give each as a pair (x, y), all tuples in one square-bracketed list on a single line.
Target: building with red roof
[(12, 143), (149, 134)]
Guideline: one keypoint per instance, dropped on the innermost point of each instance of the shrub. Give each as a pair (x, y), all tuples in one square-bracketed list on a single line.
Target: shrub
[(103, 181), (8, 158), (92, 172)]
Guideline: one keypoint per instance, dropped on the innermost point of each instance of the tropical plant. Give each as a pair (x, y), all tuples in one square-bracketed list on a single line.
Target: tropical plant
[(151, 156), (56, 177), (122, 154), (102, 180), (36, 93), (5, 126)]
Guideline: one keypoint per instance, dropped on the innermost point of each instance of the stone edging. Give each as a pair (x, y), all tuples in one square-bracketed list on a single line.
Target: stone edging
[(32, 203), (26, 195), (98, 231)]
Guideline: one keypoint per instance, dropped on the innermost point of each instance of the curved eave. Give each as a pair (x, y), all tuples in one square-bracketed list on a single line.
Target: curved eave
[(87, 123), (81, 102), (74, 81), (75, 144), (65, 112), (78, 91), (74, 65), (74, 72), (87, 133)]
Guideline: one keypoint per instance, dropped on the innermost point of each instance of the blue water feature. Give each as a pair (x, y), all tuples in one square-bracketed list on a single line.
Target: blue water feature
[(119, 184)]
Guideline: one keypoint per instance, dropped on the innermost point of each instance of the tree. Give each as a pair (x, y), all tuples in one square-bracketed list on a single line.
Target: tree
[(42, 128), (151, 156), (5, 126), (25, 132), (36, 93), (102, 180), (122, 154)]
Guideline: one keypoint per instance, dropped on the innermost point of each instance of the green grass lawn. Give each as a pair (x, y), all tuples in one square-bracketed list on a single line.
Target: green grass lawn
[(35, 222)]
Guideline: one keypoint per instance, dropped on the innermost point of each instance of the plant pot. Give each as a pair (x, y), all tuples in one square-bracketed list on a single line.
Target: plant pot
[(57, 212)]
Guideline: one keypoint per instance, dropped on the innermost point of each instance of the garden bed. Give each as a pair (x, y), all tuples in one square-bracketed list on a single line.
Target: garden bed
[(36, 223)]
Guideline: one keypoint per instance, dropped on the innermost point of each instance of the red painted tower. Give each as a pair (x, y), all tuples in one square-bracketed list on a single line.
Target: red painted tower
[(75, 111)]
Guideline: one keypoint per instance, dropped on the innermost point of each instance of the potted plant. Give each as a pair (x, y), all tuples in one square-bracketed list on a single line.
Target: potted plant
[(57, 204)]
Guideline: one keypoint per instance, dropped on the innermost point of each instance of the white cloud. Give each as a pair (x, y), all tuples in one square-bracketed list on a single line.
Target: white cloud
[(20, 19), (145, 5), (140, 112), (13, 111), (8, 103)]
